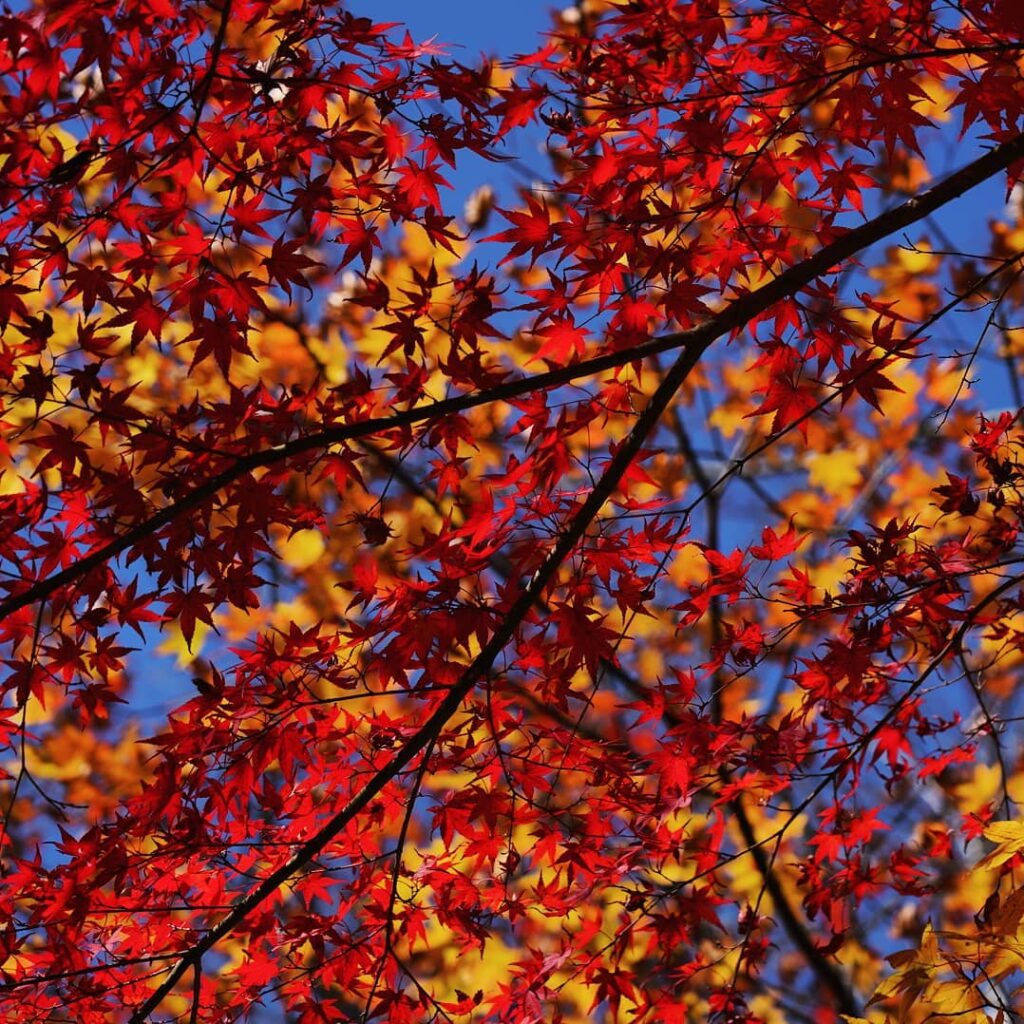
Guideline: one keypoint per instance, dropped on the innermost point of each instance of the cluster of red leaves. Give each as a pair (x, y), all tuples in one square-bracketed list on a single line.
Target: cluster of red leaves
[(175, 178)]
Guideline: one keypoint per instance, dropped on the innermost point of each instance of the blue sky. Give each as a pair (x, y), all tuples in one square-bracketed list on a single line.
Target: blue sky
[(476, 25)]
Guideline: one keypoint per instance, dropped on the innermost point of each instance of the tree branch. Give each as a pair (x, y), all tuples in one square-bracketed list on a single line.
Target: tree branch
[(695, 340)]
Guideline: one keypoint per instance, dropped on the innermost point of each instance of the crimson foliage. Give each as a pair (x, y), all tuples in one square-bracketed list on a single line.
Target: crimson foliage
[(613, 617)]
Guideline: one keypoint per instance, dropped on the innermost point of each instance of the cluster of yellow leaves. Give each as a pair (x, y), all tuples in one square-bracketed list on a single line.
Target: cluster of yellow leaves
[(954, 974), (906, 280)]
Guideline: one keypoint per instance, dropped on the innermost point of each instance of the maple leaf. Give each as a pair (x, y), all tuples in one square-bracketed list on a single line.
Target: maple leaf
[(11, 303), (248, 217), (532, 231), (563, 340), (419, 183), (799, 588), (187, 608), (774, 547), (220, 338), (791, 402), (518, 105), (286, 265), (864, 375), (958, 496), (1008, 837), (145, 316), (359, 239)]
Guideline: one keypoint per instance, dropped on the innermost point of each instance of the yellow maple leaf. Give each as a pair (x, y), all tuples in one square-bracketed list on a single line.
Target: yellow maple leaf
[(175, 644), (1007, 918), (836, 472), (302, 549), (1009, 839), (935, 105)]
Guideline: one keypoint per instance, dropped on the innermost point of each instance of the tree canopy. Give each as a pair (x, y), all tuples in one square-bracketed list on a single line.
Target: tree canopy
[(531, 538)]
